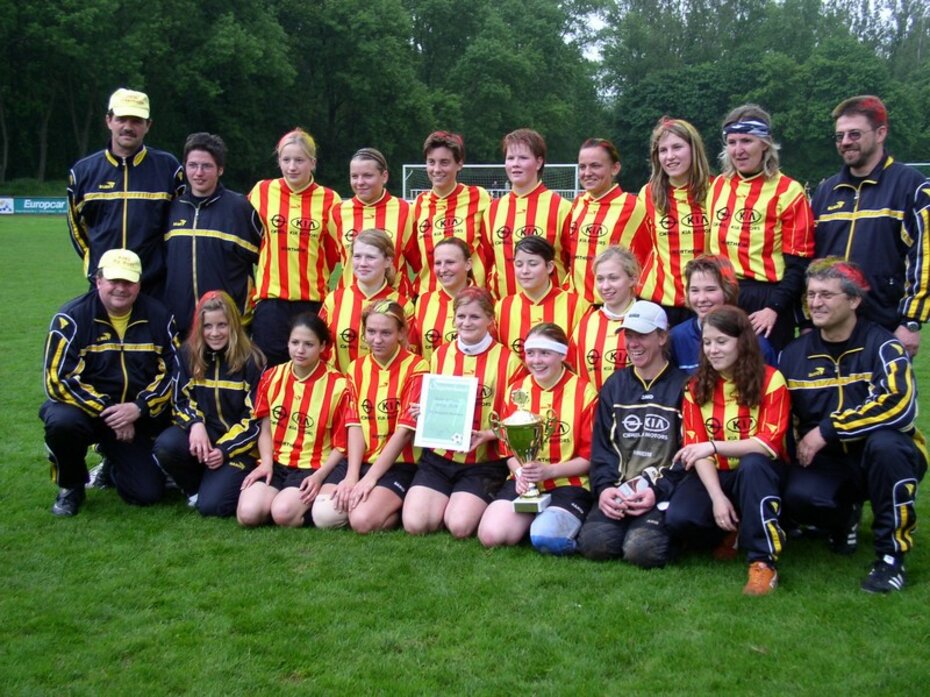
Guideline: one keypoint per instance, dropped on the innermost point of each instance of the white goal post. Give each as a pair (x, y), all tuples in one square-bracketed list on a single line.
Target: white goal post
[(558, 177)]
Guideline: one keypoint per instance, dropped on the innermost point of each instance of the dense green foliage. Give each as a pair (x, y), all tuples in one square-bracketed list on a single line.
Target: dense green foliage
[(131, 601), (385, 72)]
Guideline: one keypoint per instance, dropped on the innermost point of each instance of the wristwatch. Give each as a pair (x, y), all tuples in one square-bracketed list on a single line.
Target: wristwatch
[(911, 325)]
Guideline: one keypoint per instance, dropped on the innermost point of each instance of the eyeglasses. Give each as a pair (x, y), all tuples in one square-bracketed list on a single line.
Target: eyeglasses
[(853, 135), (825, 295)]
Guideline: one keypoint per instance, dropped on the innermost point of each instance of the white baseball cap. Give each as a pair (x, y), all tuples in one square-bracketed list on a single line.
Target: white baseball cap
[(645, 317)]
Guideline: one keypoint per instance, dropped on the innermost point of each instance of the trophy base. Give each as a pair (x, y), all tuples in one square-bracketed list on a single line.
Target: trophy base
[(531, 504)]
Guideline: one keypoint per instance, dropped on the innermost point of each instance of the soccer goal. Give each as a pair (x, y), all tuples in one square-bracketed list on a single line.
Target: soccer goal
[(560, 178)]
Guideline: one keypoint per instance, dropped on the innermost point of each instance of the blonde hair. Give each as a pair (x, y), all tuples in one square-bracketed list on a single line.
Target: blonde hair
[(388, 308), (300, 137), (627, 259)]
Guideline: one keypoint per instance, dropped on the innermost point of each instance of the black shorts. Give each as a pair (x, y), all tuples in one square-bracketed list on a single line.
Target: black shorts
[(573, 499), (447, 477), (283, 476), (397, 478)]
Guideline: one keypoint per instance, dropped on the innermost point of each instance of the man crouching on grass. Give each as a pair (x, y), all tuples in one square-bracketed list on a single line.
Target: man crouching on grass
[(110, 362), (855, 404)]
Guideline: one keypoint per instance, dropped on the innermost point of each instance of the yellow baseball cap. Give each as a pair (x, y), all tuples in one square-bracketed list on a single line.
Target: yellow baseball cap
[(120, 265), (125, 102)]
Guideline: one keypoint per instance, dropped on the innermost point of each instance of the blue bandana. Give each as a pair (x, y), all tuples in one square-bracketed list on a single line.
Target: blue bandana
[(751, 127)]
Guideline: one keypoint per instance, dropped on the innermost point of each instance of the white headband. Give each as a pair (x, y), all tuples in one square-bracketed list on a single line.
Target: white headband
[(541, 342)]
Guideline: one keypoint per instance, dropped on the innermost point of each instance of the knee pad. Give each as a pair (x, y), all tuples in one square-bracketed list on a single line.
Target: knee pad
[(554, 530), (325, 514)]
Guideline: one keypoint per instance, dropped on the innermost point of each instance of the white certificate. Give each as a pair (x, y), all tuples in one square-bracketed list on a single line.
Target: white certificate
[(447, 411)]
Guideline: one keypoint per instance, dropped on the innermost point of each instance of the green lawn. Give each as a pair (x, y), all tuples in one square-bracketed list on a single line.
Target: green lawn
[(122, 600)]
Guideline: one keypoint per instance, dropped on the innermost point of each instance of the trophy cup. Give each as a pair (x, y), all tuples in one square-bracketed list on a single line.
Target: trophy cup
[(524, 433)]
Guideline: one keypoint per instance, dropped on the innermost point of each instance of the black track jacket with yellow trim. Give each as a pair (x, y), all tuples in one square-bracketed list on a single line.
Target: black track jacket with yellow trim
[(122, 202), (870, 386), (222, 401), (88, 366), (881, 222), (212, 244)]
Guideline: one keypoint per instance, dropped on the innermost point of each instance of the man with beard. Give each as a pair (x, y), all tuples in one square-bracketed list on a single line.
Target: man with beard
[(876, 212)]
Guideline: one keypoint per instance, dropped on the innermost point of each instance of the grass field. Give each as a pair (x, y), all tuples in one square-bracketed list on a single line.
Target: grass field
[(121, 600)]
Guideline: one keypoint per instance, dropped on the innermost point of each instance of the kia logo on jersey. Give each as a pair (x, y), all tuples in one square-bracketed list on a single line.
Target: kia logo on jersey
[(447, 223), (748, 215), (616, 357), (695, 220), (742, 424), (389, 406), (594, 231), (529, 231)]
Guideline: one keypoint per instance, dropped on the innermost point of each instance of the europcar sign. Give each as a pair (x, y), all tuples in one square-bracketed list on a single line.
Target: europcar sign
[(33, 206)]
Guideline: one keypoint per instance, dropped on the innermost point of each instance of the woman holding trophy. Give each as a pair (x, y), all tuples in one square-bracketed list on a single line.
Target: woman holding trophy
[(561, 406)]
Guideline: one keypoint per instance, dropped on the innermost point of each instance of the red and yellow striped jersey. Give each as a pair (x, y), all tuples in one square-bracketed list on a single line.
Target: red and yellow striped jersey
[(597, 347), (379, 397), (517, 314), (495, 368), (342, 312), (723, 418), (307, 416), (459, 214), (298, 250), (433, 322), (573, 402), (755, 221), (676, 237), (388, 213), (615, 217), (511, 218)]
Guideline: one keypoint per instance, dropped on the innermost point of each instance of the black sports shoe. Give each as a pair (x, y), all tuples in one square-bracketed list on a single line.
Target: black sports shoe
[(845, 540), (68, 502), (887, 575), (101, 476)]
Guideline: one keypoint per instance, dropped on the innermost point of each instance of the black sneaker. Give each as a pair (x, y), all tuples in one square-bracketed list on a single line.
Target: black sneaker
[(887, 575), (68, 502), (101, 476), (845, 540)]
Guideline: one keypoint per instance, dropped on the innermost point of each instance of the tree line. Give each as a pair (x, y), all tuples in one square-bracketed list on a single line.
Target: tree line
[(384, 73)]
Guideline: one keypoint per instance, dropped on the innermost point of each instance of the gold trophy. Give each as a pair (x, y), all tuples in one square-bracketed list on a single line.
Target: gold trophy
[(525, 433)]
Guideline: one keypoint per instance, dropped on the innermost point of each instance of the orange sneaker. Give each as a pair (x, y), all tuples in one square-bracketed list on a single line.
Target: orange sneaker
[(763, 579)]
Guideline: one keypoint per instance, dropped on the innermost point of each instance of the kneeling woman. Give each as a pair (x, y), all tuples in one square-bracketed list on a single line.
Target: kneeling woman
[(561, 468), (735, 415), (453, 488), (368, 489), (301, 405), (212, 446)]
